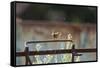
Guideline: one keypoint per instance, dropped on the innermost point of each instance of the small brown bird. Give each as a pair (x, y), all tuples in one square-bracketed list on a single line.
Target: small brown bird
[(69, 37), (56, 35)]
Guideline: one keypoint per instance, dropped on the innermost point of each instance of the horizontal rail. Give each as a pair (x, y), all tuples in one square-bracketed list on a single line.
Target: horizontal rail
[(55, 52), (29, 42)]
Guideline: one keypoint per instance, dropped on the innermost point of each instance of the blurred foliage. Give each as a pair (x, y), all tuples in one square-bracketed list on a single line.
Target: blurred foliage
[(72, 13)]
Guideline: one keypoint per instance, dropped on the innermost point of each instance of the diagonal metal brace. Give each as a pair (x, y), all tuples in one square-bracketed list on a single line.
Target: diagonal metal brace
[(28, 61)]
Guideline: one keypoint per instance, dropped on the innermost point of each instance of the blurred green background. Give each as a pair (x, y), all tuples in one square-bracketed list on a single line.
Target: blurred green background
[(38, 21)]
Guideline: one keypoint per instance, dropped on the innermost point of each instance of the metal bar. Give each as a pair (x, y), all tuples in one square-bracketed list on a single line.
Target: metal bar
[(30, 42), (74, 53), (26, 52), (55, 52), (27, 56)]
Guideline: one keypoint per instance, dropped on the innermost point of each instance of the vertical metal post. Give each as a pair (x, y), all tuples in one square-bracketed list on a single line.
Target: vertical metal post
[(74, 53), (27, 56)]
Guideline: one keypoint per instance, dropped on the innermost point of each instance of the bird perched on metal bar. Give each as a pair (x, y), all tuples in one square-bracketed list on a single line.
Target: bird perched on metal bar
[(56, 35)]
